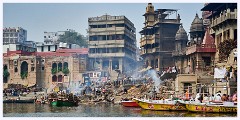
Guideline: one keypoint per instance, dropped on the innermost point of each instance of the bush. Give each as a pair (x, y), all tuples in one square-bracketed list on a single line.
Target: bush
[(6, 73), (24, 74), (65, 71), (54, 70)]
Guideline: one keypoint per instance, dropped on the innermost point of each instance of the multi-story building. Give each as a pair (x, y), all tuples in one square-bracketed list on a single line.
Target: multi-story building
[(16, 39), (223, 27), (61, 69), (14, 35), (199, 59), (158, 36), (23, 68), (223, 23), (112, 43), (194, 58)]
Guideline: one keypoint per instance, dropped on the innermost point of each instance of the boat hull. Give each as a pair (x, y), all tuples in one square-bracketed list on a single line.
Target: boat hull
[(159, 106), (60, 103), (19, 101), (211, 108), (129, 104)]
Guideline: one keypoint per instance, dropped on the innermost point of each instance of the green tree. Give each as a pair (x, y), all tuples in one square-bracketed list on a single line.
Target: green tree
[(54, 70), (24, 74), (73, 38), (225, 48), (6, 73), (65, 71)]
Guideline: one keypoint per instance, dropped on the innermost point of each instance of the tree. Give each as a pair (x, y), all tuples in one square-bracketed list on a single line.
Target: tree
[(24, 74), (73, 38), (65, 71), (225, 48), (6, 73), (54, 70)]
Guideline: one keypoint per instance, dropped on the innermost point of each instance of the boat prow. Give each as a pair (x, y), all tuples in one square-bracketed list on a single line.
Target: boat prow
[(160, 104), (129, 103)]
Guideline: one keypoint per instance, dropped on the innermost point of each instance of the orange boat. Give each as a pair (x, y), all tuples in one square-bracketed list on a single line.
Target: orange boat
[(129, 103)]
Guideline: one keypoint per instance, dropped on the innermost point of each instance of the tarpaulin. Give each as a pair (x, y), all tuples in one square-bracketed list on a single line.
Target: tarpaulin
[(219, 72)]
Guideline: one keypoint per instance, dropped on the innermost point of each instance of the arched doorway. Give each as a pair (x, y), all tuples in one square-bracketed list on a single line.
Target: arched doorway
[(5, 74), (24, 69)]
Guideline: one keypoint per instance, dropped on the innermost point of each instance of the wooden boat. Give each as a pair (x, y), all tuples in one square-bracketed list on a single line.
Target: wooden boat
[(129, 103), (60, 103), (160, 104), (212, 107), (18, 101)]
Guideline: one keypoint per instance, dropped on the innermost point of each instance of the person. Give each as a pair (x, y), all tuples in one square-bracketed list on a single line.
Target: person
[(197, 98), (235, 56), (192, 97), (205, 98), (187, 95), (211, 97), (218, 98), (224, 97), (234, 98)]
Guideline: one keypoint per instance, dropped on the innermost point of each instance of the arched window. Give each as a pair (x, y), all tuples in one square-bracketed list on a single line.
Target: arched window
[(60, 78), (65, 65), (54, 78), (60, 66), (15, 69)]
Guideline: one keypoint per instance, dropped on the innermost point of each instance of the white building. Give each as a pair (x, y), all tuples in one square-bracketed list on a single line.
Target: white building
[(14, 35), (52, 47)]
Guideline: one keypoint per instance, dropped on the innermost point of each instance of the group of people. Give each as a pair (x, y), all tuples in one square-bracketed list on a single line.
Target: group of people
[(218, 97)]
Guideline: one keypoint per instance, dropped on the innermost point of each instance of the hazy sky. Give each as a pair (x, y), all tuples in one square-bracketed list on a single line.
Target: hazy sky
[(52, 17)]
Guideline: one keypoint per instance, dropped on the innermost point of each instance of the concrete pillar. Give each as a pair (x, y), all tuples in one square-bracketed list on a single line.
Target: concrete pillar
[(110, 65), (231, 33), (120, 64)]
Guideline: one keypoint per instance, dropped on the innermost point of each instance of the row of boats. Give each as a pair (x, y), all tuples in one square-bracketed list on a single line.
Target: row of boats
[(180, 105)]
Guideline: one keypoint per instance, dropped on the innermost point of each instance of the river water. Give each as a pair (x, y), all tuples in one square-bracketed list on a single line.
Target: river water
[(95, 110)]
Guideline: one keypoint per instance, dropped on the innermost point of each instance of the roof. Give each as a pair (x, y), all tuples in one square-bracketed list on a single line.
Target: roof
[(208, 39)]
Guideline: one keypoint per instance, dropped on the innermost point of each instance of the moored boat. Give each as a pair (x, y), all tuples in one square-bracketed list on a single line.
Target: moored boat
[(129, 103), (226, 107), (18, 101), (160, 104), (60, 103)]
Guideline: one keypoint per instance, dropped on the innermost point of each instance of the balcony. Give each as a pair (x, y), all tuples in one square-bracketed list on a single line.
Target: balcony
[(224, 17), (201, 48)]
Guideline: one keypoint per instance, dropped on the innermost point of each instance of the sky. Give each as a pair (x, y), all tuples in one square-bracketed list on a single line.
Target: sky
[(52, 17)]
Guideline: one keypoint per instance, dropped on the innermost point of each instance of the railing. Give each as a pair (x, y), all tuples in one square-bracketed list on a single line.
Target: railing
[(222, 18), (201, 48)]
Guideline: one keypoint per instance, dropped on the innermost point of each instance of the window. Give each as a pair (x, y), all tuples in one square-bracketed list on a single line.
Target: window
[(187, 87), (49, 48), (32, 68), (206, 61), (42, 68), (45, 36), (15, 69)]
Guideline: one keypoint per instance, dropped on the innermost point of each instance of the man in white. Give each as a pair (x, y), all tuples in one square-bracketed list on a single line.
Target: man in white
[(217, 96), (197, 98)]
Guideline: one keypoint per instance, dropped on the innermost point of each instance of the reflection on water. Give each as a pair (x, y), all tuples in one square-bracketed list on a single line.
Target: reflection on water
[(95, 110)]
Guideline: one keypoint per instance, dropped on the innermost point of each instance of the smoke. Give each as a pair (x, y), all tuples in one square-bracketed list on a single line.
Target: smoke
[(76, 88), (153, 74)]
